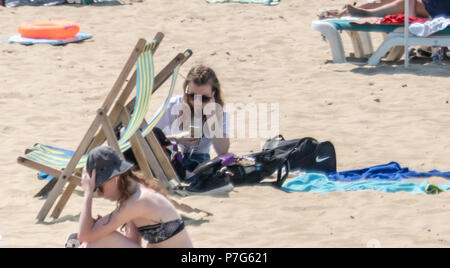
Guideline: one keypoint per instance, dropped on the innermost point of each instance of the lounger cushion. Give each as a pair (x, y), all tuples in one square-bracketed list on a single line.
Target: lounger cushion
[(341, 24)]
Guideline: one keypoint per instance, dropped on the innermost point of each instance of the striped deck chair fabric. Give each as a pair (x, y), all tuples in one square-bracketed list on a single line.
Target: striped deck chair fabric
[(59, 158)]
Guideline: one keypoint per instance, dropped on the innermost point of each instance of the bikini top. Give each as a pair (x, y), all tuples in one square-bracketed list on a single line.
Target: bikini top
[(160, 232)]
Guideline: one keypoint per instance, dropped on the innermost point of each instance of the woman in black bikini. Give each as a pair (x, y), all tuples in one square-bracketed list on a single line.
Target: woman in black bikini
[(142, 209)]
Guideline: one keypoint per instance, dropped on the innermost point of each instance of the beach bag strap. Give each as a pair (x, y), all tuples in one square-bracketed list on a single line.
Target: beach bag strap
[(280, 177)]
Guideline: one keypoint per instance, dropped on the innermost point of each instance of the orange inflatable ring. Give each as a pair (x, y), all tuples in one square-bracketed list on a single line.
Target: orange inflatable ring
[(49, 29)]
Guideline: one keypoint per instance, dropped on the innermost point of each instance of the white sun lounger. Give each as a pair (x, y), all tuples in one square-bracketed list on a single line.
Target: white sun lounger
[(362, 43)]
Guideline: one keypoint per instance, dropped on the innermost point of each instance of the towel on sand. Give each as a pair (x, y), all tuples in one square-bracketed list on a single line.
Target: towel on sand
[(319, 183), (31, 41), (391, 171)]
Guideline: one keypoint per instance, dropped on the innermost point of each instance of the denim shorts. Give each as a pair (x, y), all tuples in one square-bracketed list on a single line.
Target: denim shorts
[(190, 162), (437, 7)]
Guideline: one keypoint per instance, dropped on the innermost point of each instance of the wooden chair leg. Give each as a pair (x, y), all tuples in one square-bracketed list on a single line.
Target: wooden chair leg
[(162, 157), (47, 188), (139, 154), (109, 132), (154, 164), (63, 200), (67, 173)]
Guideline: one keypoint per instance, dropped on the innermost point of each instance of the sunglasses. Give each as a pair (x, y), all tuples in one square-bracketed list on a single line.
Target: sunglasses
[(205, 99)]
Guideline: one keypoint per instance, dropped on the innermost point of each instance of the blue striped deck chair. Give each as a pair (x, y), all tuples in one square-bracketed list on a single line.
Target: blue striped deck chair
[(164, 173), (63, 163), (361, 40), (59, 157)]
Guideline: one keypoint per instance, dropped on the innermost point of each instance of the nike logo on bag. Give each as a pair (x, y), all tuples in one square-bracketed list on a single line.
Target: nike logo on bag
[(321, 159)]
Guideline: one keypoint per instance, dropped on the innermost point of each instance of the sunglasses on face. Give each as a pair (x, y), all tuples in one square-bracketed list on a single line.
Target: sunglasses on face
[(205, 99)]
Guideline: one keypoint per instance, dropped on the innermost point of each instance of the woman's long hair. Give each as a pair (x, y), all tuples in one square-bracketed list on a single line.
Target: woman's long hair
[(202, 75), (123, 184)]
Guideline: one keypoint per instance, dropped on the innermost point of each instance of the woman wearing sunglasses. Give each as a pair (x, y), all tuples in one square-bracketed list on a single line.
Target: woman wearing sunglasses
[(196, 120), (142, 210)]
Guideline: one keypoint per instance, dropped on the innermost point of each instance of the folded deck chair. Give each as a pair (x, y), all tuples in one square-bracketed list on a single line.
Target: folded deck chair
[(362, 44), (66, 165)]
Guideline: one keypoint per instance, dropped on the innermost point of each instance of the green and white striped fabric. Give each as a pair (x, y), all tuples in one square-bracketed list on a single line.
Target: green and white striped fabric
[(145, 81), (59, 158)]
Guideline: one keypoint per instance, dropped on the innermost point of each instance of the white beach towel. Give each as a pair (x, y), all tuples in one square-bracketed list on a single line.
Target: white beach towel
[(430, 27)]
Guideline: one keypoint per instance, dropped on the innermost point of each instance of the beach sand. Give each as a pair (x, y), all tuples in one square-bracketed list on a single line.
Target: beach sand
[(262, 55)]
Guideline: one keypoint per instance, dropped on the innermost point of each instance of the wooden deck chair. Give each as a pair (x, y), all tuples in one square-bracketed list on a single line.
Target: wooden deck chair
[(150, 151), (118, 111), (65, 164)]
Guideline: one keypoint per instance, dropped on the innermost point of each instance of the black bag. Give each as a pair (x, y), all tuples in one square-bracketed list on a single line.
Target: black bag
[(277, 155), (304, 154)]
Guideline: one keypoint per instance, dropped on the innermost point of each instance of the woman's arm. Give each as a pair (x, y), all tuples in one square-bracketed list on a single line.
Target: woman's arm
[(105, 226), (91, 230), (86, 220), (132, 233), (88, 184), (221, 145), (183, 138)]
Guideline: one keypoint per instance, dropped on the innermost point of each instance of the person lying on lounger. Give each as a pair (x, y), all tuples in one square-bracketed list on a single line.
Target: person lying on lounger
[(418, 8), (142, 209)]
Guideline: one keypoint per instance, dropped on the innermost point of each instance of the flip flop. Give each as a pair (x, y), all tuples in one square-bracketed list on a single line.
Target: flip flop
[(72, 241), (432, 189)]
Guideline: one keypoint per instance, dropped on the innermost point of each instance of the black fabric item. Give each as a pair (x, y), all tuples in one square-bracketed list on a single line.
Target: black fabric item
[(437, 7), (305, 154), (162, 231), (278, 155)]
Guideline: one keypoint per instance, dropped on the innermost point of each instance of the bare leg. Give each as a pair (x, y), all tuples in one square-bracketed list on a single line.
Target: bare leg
[(368, 5), (114, 240), (395, 7)]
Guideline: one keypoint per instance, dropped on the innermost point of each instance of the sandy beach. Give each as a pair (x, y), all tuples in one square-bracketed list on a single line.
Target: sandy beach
[(262, 54)]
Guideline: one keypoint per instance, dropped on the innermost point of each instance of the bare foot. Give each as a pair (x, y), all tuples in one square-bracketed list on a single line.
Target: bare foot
[(357, 11), (343, 13), (327, 13)]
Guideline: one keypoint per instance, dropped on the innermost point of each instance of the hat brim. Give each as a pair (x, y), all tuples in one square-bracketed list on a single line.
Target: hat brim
[(112, 172)]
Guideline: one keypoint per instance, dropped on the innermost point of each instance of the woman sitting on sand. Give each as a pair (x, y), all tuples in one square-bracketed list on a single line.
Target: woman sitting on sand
[(201, 88), (418, 8), (142, 210)]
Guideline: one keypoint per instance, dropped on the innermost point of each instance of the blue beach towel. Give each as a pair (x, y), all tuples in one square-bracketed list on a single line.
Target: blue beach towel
[(391, 171), (319, 183), (263, 2), (31, 41)]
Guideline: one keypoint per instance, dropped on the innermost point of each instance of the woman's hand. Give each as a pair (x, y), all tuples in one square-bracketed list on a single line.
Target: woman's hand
[(184, 138), (87, 182), (98, 218)]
